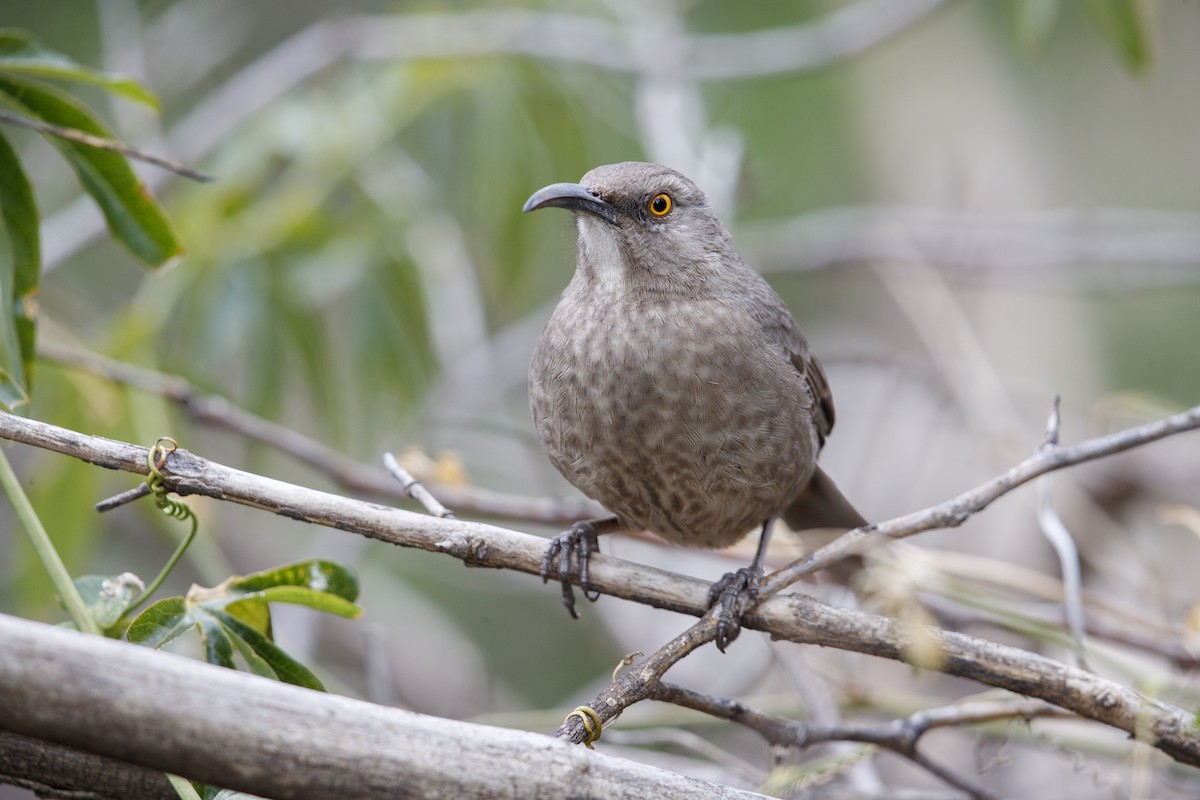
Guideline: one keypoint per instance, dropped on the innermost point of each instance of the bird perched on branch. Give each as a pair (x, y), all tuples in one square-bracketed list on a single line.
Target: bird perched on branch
[(673, 386)]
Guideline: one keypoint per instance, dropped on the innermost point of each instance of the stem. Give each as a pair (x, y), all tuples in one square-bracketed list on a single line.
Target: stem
[(166, 570), (45, 549)]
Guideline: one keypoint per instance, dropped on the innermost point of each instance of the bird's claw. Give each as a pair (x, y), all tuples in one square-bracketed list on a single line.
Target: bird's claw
[(582, 539), (733, 595)]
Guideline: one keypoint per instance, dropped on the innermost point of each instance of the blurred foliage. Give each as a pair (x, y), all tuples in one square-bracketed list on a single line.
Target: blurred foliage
[(132, 214)]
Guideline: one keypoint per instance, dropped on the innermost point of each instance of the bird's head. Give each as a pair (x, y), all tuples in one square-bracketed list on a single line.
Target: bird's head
[(642, 225)]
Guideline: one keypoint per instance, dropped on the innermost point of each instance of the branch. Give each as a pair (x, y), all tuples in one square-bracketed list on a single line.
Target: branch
[(1100, 244), (51, 770), (901, 736), (240, 731), (100, 143), (214, 410), (794, 617), (951, 514)]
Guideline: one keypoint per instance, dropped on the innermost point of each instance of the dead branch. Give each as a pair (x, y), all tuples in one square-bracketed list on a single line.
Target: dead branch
[(794, 617)]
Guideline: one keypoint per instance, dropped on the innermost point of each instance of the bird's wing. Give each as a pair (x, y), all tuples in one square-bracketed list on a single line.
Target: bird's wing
[(780, 326)]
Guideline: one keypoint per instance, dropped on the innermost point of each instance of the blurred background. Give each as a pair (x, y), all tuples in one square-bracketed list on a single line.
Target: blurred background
[(970, 207)]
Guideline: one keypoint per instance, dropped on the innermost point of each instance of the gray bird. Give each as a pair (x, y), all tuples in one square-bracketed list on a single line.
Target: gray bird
[(673, 386)]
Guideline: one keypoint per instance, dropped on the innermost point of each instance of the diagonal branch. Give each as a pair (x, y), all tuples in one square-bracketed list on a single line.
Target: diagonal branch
[(956, 511), (794, 617), (351, 475)]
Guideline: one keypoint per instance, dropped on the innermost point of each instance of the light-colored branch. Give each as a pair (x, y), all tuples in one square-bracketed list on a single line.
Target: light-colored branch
[(1089, 247), (413, 488), (794, 617), (240, 731), (954, 512)]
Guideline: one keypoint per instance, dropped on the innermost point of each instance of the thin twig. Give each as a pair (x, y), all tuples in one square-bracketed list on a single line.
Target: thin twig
[(413, 488), (956, 511), (900, 736), (100, 143), (1056, 533)]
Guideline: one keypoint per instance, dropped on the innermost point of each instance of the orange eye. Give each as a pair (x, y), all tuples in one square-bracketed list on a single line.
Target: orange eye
[(660, 205)]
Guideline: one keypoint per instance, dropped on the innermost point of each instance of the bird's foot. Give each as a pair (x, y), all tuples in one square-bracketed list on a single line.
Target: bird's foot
[(733, 595), (582, 539)]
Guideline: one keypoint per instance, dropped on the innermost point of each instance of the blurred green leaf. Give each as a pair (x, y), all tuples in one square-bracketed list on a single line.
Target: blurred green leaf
[(1031, 21), (20, 269), (1126, 26), (108, 596), (134, 217), (22, 54)]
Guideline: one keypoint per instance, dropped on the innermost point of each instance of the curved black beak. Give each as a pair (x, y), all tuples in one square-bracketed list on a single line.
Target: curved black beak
[(573, 197)]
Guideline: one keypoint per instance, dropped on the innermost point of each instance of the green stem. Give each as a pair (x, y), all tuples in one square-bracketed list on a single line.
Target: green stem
[(166, 570), (44, 548)]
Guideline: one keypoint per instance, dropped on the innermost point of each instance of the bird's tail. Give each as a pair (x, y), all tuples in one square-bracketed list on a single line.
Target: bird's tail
[(821, 505)]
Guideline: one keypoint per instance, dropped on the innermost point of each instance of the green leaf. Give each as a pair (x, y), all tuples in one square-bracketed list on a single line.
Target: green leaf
[(22, 54), (20, 270), (316, 574), (108, 596), (218, 644), (134, 217), (161, 622), (1032, 21), (1125, 24), (262, 650), (320, 601), (253, 611)]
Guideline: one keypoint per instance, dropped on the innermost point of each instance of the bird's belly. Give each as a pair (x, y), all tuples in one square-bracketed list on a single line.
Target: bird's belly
[(700, 443)]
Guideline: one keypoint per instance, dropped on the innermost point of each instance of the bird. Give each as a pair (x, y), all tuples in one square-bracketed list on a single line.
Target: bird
[(672, 385)]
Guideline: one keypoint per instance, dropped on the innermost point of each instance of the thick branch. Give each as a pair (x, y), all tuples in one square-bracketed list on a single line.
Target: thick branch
[(240, 731), (794, 617), (52, 770)]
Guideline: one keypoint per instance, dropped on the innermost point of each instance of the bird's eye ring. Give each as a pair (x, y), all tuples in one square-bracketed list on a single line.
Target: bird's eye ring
[(660, 205)]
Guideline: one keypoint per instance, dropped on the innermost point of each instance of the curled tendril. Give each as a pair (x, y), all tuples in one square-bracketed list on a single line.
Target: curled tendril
[(591, 724), (156, 460)]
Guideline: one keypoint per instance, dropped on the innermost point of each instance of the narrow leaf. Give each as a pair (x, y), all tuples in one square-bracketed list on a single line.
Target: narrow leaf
[(1126, 26), (20, 269), (1032, 22), (303, 596), (318, 575), (22, 54), (218, 644), (134, 217), (283, 666)]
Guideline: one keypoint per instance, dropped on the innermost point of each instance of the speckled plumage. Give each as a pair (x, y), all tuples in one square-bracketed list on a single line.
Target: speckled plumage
[(671, 383)]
